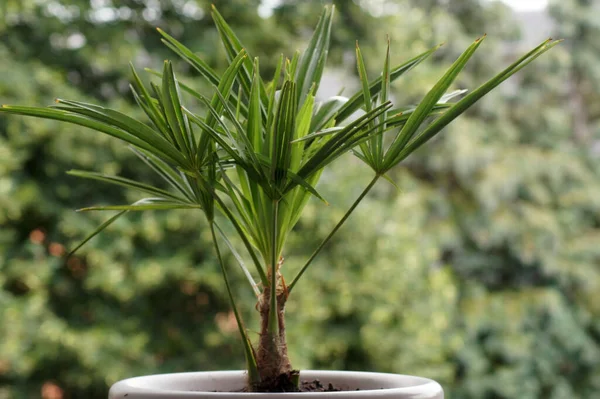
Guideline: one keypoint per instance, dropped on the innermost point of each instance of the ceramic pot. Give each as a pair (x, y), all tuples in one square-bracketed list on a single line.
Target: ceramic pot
[(224, 384)]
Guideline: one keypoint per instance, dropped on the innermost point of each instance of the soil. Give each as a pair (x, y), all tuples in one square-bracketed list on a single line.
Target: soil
[(306, 386), (316, 386), (284, 383)]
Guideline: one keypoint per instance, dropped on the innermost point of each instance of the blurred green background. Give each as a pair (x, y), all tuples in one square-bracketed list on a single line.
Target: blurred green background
[(482, 271)]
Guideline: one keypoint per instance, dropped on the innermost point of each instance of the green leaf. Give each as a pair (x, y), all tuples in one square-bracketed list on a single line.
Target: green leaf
[(449, 96), (464, 104), (145, 101), (364, 79), (305, 185), (425, 106), (283, 133), (240, 261), (196, 62), (120, 120), (243, 233), (324, 132), (399, 118), (128, 183), (300, 200), (271, 109), (165, 171), (234, 99), (216, 136), (303, 122), (225, 86), (150, 206), (368, 149), (377, 140), (172, 106), (254, 125), (392, 182), (326, 112), (232, 47), (111, 117), (339, 143), (243, 144), (156, 145), (310, 68), (356, 101), (250, 167), (94, 233), (243, 207), (219, 100)]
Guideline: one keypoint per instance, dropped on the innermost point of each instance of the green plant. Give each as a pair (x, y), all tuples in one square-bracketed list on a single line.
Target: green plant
[(255, 156)]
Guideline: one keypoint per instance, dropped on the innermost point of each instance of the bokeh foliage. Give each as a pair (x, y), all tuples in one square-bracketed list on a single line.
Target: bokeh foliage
[(482, 271)]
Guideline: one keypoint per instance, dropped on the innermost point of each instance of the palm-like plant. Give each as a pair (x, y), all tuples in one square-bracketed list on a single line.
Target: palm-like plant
[(255, 156)]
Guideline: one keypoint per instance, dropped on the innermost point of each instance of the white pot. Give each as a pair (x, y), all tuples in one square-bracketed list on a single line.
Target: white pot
[(204, 384)]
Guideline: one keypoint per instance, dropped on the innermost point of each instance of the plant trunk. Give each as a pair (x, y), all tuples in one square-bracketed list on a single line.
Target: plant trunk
[(274, 368)]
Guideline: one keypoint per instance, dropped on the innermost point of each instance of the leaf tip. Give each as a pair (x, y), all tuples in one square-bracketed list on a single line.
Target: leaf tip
[(479, 39)]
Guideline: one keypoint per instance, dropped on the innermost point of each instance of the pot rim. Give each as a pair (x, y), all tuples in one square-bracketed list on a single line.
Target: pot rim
[(418, 385)]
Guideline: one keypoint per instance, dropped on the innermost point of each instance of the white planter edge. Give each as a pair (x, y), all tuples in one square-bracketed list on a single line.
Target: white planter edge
[(220, 384)]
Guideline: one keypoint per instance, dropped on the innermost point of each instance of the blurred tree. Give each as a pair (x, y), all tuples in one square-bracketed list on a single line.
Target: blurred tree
[(508, 232), (521, 182), (91, 42), (146, 296), (518, 189), (485, 274), (575, 22)]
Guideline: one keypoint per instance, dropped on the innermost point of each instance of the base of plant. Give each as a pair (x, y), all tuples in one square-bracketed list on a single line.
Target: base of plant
[(286, 382)]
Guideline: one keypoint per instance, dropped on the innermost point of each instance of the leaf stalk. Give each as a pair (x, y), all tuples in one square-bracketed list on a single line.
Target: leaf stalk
[(332, 233)]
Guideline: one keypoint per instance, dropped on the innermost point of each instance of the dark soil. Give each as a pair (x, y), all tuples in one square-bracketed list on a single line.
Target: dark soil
[(316, 386), (305, 386), (285, 383)]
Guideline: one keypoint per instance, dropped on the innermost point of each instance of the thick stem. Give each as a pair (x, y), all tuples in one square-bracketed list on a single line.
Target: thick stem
[(274, 367)]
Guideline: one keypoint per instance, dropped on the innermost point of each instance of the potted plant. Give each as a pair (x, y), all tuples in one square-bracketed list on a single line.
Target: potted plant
[(252, 159)]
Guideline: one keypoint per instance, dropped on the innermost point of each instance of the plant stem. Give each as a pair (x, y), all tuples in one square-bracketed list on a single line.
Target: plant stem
[(273, 319), (331, 234), (251, 364)]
